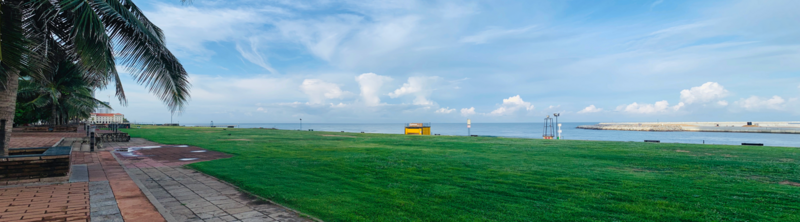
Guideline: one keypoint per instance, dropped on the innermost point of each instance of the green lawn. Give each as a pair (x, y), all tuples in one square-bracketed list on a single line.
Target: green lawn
[(380, 177)]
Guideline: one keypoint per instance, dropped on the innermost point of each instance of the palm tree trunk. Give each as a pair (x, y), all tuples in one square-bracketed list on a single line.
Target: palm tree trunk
[(8, 102), (53, 115)]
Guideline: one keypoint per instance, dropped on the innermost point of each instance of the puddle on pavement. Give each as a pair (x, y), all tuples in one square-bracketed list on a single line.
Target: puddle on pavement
[(130, 152)]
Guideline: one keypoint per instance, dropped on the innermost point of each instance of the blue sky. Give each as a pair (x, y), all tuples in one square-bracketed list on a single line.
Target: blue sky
[(258, 61)]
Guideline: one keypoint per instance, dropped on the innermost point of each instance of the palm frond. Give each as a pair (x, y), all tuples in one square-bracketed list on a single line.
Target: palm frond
[(144, 20), (13, 44), (147, 59), (87, 33), (41, 101)]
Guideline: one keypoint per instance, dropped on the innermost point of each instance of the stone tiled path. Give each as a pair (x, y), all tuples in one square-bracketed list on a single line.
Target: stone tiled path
[(103, 203), (61, 202), (132, 202), (139, 184), (188, 195), (109, 195)]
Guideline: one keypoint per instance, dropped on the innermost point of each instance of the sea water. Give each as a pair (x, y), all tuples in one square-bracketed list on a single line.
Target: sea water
[(534, 130)]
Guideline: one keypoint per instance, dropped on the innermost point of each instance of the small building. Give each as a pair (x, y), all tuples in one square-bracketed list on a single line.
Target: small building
[(106, 118), (418, 129)]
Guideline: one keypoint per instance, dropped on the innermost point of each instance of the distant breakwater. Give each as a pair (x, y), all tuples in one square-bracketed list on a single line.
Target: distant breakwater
[(730, 127), (631, 127)]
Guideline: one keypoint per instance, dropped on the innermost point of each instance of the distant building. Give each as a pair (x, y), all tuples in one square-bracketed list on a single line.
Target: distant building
[(105, 118), (102, 109)]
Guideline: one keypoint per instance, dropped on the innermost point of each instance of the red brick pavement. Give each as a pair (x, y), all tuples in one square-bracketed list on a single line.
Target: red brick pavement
[(38, 139), (70, 201), (81, 157), (23, 142), (61, 202), (132, 203)]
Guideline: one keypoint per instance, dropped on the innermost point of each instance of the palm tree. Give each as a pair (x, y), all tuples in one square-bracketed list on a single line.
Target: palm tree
[(66, 92), (96, 35)]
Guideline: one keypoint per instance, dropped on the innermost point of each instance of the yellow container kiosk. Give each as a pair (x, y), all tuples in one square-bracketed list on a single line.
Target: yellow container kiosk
[(418, 129)]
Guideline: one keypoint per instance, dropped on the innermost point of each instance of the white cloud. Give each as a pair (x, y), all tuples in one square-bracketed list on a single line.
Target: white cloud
[(493, 33), (418, 86), (322, 36), (722, 103), (451, 9), (511, 105), (755, 103), (318, 90), (445, 110), (259, 88), (371, 85), (348, 39), (261, 109), (251, 54), (658, 107), (590, 109), (468, 112), (188, 28), (704, 93)]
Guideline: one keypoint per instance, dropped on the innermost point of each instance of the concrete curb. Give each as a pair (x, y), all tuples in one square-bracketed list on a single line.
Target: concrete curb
[(161, 209), (59, 142)]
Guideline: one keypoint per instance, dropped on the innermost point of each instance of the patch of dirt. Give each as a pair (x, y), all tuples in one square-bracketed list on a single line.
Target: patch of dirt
[(682, 151), (641, 170), (790, 183), (340, 136), (786, 160), (235, 140), (637, 170)]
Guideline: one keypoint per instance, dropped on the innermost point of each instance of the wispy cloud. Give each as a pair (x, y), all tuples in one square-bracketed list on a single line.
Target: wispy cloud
[(655, 3), (492, 34), (253, 55)]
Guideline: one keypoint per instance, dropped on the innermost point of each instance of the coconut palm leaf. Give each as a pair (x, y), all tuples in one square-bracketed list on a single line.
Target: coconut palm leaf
[(138, 46), (13, 44)]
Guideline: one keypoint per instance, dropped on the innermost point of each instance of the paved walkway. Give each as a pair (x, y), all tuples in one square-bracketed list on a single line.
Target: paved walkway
[(61, 202), (187, 195), (133, 181), (40, 139)]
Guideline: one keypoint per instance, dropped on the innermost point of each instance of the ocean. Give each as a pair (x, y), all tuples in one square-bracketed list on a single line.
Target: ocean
[(534, 130)]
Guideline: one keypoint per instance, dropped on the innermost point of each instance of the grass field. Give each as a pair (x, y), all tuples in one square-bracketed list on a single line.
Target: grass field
[(379, 177)]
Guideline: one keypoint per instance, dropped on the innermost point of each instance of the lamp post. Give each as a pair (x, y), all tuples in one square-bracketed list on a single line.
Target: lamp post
[(469, 125), (301, 123), (558, 137)]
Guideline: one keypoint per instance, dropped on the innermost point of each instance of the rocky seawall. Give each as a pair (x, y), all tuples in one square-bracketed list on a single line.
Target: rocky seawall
[(698, 127), (633, 127)]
